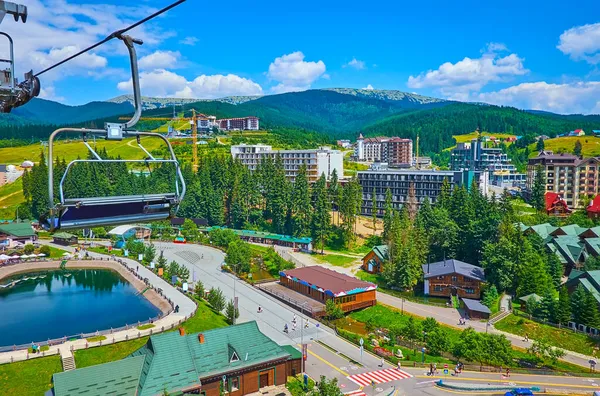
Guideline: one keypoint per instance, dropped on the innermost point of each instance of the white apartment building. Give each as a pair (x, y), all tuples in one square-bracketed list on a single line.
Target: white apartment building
[(318, 161)]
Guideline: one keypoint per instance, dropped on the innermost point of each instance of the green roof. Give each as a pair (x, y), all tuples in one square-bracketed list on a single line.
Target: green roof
[(543, 230), (263, 235), (572, 229), (531, 296), (294, 353), (120, 377), (174, 362), (63, 235), (591, 288), (593, 244), (570, 247), (17, 229), (381, 251)]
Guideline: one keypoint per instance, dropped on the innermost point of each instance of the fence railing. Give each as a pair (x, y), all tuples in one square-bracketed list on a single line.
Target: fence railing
[(298, 304)]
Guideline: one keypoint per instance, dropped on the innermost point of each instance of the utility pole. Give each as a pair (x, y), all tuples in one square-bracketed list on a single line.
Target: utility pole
[(194, 141)]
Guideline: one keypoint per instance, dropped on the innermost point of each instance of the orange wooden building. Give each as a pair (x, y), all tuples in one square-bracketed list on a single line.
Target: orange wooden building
[(323, 284), (453, 278)]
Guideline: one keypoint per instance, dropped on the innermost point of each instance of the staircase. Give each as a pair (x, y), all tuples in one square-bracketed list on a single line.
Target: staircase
[(68, 363), (499, 317)]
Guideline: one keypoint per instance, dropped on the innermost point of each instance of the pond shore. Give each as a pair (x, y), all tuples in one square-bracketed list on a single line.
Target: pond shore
[(151, 295)]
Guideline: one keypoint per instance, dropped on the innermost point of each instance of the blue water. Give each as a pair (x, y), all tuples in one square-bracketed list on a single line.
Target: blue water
[(59, 305)]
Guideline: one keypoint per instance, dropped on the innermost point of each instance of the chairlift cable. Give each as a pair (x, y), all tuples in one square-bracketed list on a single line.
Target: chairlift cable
[(111, 36)]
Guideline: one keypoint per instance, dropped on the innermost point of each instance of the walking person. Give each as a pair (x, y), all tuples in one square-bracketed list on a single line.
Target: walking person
[(434, 368), (382, 362), (507, 372), (430, 369)]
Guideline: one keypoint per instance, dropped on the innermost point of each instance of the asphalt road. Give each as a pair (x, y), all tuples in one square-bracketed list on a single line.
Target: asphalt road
[(329, 355)]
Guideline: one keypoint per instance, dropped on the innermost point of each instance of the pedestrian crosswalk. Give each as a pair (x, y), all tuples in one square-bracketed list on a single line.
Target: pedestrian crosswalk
[(379, 376), (356, 393)]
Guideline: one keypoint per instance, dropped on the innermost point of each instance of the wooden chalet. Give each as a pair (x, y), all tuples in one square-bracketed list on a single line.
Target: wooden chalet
[(373, 261), (453, 278), (556, 205)]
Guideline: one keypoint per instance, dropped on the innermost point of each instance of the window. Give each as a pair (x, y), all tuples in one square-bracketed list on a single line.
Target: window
[(440, 277), (234, 384), (454, 278), (470, 290), (437, 288)]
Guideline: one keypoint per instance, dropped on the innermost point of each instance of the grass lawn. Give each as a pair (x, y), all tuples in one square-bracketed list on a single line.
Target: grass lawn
[(590, 145), (56, 253), (383, 316), (296, 385), (337, 260), (204, 319), (11, 196), (31, 377), (108, 353), (565, 339), (473, 135)]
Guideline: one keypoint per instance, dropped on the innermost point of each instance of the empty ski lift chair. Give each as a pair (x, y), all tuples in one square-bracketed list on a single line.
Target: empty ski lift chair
[(86, 212)]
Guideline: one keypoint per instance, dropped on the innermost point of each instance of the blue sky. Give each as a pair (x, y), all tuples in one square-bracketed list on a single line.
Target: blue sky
[(529, 54)]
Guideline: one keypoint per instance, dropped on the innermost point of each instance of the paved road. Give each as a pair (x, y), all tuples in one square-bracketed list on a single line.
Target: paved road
[(331, 356)]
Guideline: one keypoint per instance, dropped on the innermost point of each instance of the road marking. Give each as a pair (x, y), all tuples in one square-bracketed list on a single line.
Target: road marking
[(358, 392), (379, 376), (329, 364), (519, 382)]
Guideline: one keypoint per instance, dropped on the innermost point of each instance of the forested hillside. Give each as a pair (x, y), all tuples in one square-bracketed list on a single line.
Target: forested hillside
[(436, 127), (43, 111)]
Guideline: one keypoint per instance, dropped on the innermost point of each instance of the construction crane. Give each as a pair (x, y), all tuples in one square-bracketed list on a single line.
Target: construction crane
[(194, 122)]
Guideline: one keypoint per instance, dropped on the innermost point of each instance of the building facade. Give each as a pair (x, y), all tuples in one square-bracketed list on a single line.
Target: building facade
[(566, 174), (392, 150), (322, 284), (374, 260), (319, 161), (427, 183), (239, 124), (475, 156), (453, 278)]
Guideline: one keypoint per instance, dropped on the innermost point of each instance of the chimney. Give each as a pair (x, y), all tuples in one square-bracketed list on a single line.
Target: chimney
[(181, 331), (201, 338)]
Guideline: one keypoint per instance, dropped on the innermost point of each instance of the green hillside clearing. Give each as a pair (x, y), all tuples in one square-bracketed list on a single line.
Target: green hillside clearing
[(590, 145), (11, 196)]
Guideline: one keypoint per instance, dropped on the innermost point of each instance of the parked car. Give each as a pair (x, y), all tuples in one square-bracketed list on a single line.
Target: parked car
[(179, 239), (519, 392)]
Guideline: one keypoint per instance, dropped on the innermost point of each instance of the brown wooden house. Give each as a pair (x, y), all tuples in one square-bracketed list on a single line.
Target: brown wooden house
[(373, 261), (453, 278), (323, 284)]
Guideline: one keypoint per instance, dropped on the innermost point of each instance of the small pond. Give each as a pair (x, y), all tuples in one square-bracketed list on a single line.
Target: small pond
[(53, 304)]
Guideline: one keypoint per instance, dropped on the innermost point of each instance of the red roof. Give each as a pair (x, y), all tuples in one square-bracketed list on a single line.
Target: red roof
[(328, 280), (594, 205), (578, 130), (553, 200)]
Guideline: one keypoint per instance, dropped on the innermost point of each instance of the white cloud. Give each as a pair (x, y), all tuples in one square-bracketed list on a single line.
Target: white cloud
[(165, 83), (581, 43), (357, 64), (50, 93), (494, 47), (58, 28), (293, 73), (190, 40), (458, 80), (576, 97), (369, 87), (160, 60)]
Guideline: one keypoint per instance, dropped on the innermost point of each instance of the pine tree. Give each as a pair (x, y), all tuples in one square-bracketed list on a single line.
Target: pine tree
[(387, 215), (321, 219), (563, 314), (301, 198), (578, 305), (540, 145), (374, 209), (443, 199), (539, 190), (577, 148)]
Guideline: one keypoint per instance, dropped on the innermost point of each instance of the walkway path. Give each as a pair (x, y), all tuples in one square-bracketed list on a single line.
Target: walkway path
[(450, 317)]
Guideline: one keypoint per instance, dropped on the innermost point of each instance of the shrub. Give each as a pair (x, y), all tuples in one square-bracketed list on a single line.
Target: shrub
[(29, 248), (45, 249), (333, 311)]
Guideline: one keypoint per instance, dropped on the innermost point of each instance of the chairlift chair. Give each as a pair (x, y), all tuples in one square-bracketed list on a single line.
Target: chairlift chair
[(13, 93), (88, 212)]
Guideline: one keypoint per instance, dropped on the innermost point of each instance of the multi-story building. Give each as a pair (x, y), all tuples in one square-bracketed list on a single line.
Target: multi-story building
[(475, 156), (427, 183), (319, 161), (394, 151), (240, 124), (566, 174)]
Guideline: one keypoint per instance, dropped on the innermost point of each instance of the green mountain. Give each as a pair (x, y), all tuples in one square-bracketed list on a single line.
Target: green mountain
[(42, 111), (435, 127)]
